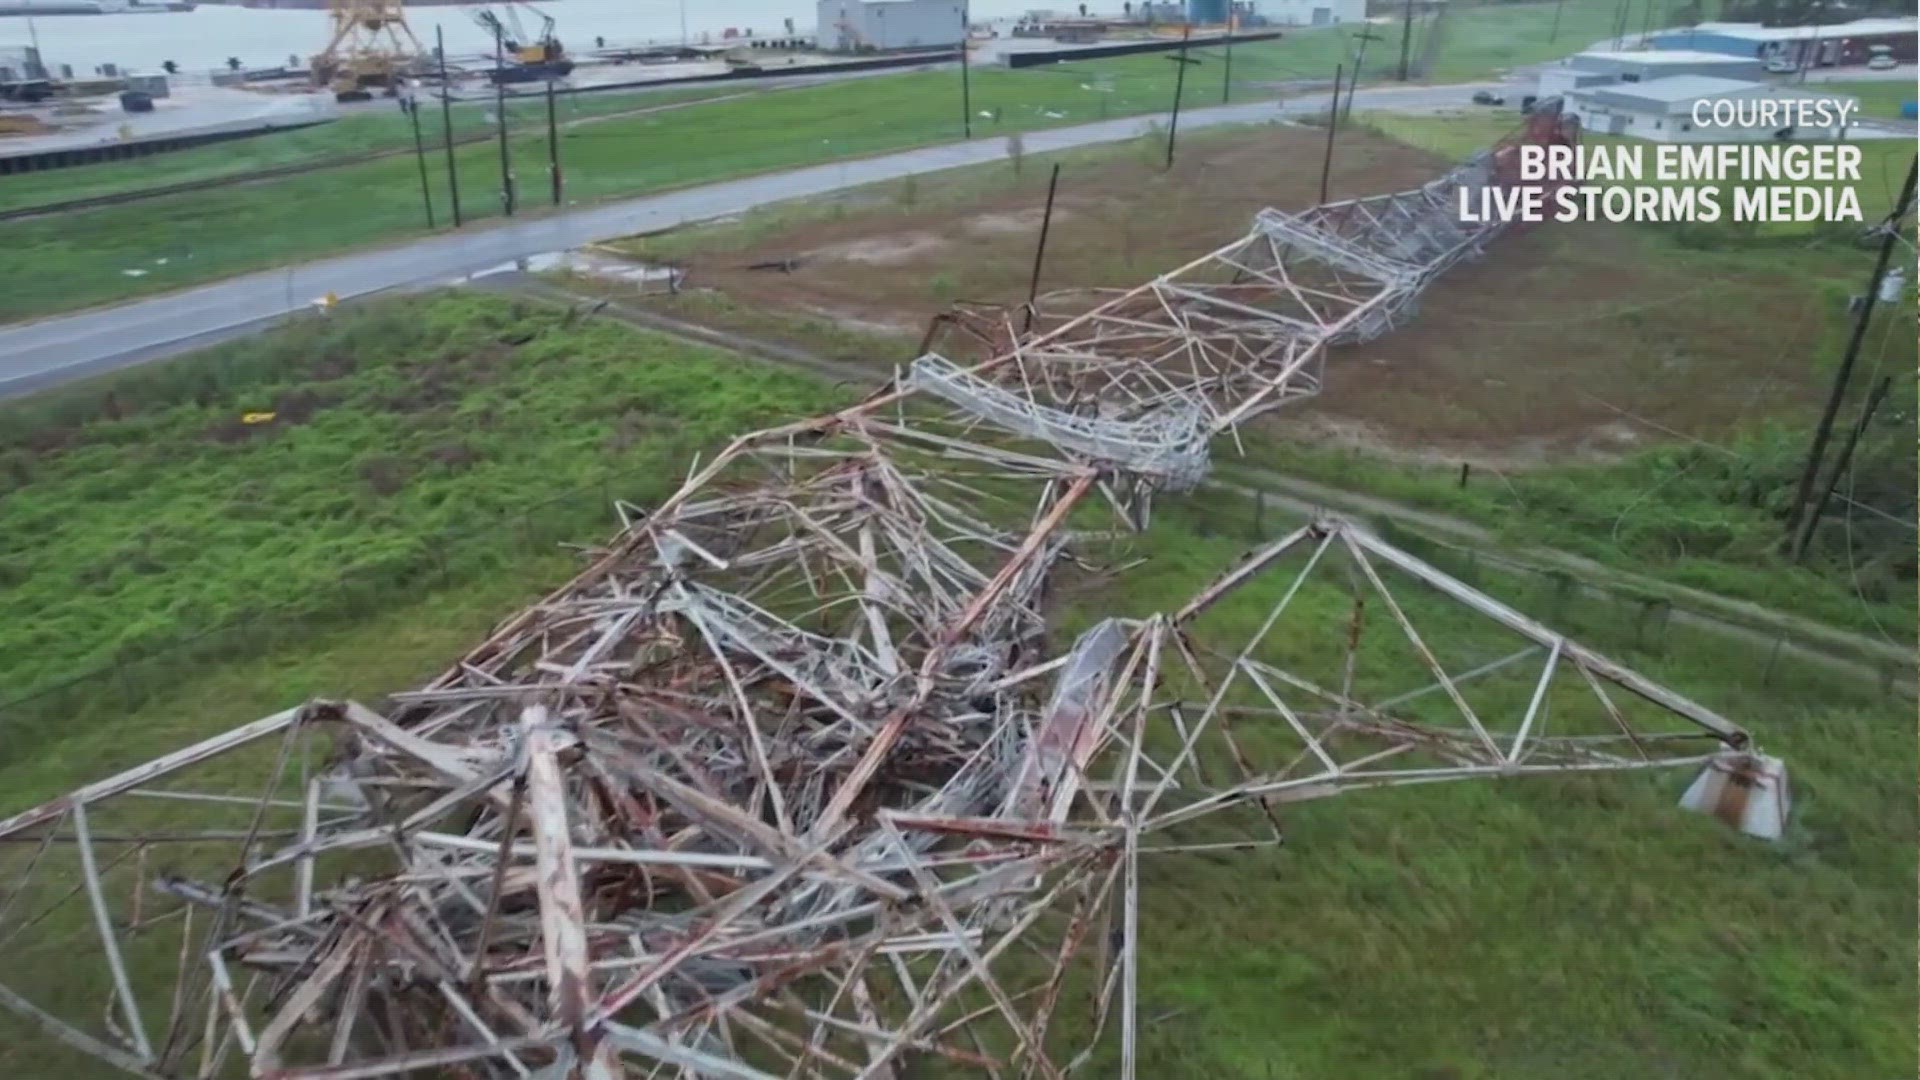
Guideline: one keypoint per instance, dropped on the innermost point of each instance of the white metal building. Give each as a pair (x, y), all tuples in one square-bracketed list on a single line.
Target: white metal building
[(1819, 46), (1662, 110), (1599, 68), (1311, 12), (890, 25)]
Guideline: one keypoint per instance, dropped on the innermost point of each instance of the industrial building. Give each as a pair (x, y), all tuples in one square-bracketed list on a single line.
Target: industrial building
[(1311, 12), (1814, 46), (1598, 68), (1662, 110), (19, 63), (888, 25)]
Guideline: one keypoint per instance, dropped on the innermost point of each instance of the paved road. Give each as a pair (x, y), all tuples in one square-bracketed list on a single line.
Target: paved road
[(60, 349)]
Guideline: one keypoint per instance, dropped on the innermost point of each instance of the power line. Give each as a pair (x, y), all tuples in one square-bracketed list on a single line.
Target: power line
[(1736, 456), (1824, 430)]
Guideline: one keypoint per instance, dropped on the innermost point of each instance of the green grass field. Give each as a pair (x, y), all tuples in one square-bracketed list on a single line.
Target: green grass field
[(118, 252), (356, 134), (1583, 928), (1878, 97), (440, 437)]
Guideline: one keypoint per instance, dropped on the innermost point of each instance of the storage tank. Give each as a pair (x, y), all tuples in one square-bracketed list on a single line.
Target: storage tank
[(1208, 12)]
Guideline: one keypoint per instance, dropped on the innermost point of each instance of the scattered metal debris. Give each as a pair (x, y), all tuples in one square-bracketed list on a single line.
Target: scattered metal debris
[(793, 779)]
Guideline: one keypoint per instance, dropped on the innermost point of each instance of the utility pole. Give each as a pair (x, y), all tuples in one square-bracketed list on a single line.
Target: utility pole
[(1226, 80), (1360, 58), (500, 108), (1810, 53), (553, 145), (419, 151), (1805, 539), (446, 121), (1890, 235), (1333, 122), (1406, 41), (966, 75), (1040, 252), (1553, 34), (1179, 87)]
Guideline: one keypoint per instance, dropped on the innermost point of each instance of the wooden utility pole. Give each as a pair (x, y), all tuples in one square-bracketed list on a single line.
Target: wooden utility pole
[(966, 76), (446, 121), (1805, 539), (1226, 79), (1406, 41), (1553, 34), (1333, 122), (1040, 252), (1889, 236), (1179, 88), (420, 152), (500, 108), (553, 146), (1359, 59)]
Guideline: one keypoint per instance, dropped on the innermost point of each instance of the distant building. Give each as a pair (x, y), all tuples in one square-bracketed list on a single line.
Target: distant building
[(1661, 110), (1816, 46), (890, 25), (1311, 12), (1598, 68)]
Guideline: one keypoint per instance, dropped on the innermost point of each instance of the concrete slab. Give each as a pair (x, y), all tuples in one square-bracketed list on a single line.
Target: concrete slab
[(191, 110)]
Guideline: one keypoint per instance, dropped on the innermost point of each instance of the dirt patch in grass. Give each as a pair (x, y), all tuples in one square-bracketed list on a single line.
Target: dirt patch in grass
[(1552, 345), (1563, 343), (896, 257), (1020, 222), (880, 250)]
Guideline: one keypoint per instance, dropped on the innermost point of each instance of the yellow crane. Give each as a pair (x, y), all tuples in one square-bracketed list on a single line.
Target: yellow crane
[(371, 48)]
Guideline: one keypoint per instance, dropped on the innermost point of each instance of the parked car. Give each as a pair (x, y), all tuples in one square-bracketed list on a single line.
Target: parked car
[(1882, 62), (1483, 97), (1780, 65)]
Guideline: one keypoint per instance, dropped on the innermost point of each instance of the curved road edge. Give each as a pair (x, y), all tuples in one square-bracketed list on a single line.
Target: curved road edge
[(64, 348)]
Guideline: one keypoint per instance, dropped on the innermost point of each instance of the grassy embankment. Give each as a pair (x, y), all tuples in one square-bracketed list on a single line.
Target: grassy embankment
[(356, 134), (1702, 516), (1880, 98), (1584, 926), (440, 439), (86, 257)]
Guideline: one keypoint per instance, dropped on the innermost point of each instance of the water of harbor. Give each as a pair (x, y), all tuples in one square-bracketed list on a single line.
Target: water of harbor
[(204, 38)]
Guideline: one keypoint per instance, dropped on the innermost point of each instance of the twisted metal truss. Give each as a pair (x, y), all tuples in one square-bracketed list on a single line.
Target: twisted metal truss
[(794, 780)]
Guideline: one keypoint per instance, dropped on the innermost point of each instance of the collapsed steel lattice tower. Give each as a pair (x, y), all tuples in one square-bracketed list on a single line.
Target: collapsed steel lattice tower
[(793, 779)]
